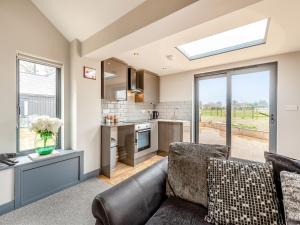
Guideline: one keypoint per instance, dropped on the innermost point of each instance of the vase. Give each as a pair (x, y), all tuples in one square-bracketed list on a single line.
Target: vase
[(45, 146)]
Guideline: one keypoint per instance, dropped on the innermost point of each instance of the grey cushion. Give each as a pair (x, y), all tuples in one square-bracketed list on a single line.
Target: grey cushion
[(290, 183), (242, 193), (281, 163), (187, 170), (175, 211)]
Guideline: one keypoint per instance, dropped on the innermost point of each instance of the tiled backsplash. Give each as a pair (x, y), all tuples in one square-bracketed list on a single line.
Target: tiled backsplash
[(127, 110), (175, 110)]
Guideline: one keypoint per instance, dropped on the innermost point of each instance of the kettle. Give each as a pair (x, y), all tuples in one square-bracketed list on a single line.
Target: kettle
[(155, 115)]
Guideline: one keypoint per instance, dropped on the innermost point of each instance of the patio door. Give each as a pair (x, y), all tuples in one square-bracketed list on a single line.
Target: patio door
[(238, 108)]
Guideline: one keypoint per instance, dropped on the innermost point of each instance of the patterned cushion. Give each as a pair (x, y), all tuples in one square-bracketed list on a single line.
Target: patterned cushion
[(187, 168), (242, 193), (290, 183)]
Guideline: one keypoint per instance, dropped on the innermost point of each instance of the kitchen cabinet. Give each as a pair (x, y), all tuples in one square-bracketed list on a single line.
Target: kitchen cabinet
[(169, 132), (150, 87), (154, 135), (187, 131), (124, 138), (114, 80)]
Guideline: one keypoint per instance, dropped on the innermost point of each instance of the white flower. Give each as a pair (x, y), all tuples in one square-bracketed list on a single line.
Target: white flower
[(45, 123)]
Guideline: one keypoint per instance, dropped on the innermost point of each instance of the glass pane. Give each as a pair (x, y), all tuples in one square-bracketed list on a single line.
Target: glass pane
[(212, 111), (37, 90), (250, 115)]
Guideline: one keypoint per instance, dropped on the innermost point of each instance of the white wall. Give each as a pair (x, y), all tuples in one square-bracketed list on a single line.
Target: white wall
[(86, 109), (24, 28), (179, 87)]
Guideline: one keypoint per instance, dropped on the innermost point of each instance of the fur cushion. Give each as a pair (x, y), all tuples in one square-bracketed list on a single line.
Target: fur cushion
[(187, 170), (290, 183)]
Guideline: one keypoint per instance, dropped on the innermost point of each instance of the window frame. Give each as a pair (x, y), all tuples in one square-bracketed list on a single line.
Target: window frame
[(228, 73), (58, 98), (226, 49)]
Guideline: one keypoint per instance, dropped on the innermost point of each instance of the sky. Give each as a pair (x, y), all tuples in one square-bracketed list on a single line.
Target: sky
[(251, 87)]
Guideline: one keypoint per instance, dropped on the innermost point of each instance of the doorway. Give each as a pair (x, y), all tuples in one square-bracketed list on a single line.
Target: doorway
[(237, 107)]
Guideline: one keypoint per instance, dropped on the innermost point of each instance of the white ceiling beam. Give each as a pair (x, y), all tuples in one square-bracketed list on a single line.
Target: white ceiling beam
[(154, 20)]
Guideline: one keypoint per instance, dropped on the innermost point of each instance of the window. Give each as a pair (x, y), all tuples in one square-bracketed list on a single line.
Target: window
[(238, 38), (38, 94)]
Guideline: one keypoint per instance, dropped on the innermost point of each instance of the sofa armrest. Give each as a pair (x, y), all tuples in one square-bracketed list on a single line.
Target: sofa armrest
[(133, 201)]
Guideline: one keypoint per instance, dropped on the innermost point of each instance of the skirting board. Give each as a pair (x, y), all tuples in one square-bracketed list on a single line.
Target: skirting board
[(91, 174), (7, 207)]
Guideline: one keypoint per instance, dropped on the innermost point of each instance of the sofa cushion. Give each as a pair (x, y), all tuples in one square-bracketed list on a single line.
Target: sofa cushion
[(281, 163), (187, 170), (290, 183), (176, 211), (242, 193)]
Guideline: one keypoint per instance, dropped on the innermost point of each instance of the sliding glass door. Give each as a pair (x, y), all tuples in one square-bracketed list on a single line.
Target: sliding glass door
[(212, 110), (238, 108)]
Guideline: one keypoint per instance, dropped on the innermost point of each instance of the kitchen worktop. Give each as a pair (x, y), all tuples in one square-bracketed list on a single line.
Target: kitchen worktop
[(173, 121), (119, 124)]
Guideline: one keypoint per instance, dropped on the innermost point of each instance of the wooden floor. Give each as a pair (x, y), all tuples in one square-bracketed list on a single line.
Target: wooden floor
[(123, 171)]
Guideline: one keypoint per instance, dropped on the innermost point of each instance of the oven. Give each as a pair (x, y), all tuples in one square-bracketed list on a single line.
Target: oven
[(143, 137)]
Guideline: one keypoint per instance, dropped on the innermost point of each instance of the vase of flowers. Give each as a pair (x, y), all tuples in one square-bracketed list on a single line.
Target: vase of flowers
[(46, 130)]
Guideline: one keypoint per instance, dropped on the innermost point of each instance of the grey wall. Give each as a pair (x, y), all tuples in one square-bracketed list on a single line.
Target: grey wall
[(25, 29)]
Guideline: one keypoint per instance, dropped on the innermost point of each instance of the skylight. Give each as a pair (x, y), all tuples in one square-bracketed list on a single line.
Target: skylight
[(241, 37)]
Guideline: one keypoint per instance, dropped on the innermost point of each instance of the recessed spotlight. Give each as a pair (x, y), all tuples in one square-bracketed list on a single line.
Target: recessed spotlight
[(170, 57), (136, 54)]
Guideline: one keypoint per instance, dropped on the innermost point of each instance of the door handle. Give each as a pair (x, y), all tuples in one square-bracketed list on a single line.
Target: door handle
[(272, 118)]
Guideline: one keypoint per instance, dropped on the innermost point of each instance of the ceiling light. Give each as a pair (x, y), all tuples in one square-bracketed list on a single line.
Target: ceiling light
[(164, 68), (242, 37), (170, 57), (136, 54)]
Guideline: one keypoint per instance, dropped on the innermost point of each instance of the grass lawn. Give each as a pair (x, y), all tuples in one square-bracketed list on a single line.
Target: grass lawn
[(246, 118)]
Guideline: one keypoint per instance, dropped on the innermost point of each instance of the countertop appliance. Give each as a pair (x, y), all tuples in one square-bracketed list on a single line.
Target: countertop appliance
[(155, 115), (142, 136)]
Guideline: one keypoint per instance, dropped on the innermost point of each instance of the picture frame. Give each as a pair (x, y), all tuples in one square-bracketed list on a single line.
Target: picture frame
[(89, 73)]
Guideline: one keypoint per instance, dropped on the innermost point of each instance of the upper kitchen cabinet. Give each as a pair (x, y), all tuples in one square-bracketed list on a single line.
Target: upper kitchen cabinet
[(113, 80), (150, 87)]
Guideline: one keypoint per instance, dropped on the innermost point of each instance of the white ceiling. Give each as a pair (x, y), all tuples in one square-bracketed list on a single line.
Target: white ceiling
[(283, 36), (82, 18)]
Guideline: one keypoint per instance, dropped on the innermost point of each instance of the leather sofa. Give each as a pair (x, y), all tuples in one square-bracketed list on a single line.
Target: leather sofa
[(141, 200)]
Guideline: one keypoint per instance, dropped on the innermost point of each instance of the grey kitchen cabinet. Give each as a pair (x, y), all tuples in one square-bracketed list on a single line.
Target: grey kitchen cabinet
[(187, 131), (169, 132), (154, 135), (114, 80), (150, 87)]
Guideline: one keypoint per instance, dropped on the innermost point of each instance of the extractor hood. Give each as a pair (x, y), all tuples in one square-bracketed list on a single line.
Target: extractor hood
[(135, 81)]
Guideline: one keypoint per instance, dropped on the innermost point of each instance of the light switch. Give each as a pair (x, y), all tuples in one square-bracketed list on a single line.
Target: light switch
[(291, 108)]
